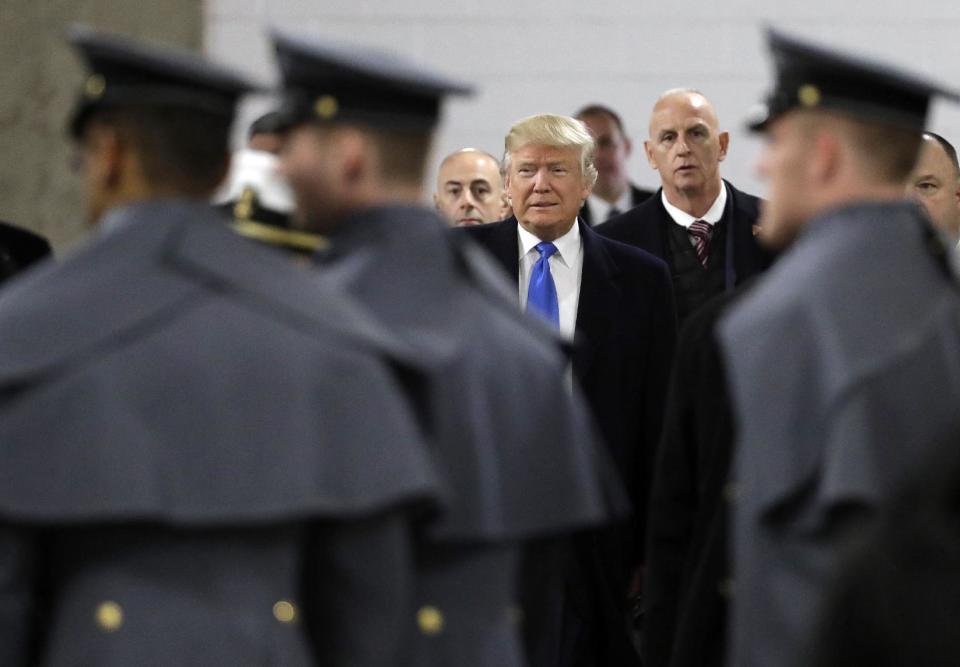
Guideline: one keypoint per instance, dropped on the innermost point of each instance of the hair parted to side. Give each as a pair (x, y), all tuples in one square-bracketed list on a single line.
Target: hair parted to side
[(557, 132)]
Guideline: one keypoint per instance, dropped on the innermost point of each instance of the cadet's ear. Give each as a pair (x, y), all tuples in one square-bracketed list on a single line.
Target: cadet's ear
[(825, 156), (105, 154), (354, 149)]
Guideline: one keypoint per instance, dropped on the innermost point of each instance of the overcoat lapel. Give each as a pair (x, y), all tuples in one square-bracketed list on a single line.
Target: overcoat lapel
[(598, 305)]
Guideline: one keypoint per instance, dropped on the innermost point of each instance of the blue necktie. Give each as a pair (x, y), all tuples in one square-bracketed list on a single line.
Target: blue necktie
[(542, 293)]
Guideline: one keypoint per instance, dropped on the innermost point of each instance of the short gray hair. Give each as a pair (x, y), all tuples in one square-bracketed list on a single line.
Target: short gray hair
[(554, 131)]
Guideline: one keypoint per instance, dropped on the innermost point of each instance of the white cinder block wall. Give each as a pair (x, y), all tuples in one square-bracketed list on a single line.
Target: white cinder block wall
[(527, 57)]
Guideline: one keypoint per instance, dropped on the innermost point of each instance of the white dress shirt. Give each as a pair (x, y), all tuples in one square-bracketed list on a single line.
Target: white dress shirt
[(711, 217), (600, 208), (566, 267)]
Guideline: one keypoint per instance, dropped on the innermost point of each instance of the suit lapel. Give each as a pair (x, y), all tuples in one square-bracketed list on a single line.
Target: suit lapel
[(747, 257), (585, 213), (598, 304), (659, 245), (503, 245)]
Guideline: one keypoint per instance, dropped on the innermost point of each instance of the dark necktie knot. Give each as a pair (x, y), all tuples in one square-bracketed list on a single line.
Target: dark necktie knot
[(700, 230)]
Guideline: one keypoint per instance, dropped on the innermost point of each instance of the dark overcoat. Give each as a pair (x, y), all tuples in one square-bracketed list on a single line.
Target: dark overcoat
[(623, 348)]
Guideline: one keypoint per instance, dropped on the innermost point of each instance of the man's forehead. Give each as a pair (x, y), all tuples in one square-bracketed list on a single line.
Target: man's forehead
[(684, 110), (600, 123), (465, 166), (933, 157)]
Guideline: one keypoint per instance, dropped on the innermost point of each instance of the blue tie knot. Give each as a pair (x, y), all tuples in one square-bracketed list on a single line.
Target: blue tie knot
[(545, 248)]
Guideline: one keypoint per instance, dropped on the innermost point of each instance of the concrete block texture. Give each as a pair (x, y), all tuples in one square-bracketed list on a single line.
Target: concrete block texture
[(39, 78), (527, 57)]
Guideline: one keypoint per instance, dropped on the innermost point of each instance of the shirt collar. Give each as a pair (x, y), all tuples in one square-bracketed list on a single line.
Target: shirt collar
[(600, 208), (567, 245), (711, 217)]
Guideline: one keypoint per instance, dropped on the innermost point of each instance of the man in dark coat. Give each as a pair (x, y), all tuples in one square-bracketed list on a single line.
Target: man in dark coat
[(510, 443), (19, 249), (206, 459), (615, 303), (699, 224)]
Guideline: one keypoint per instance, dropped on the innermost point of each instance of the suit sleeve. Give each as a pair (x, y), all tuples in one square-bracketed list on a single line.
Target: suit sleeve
[(359, 580), (17, 603)]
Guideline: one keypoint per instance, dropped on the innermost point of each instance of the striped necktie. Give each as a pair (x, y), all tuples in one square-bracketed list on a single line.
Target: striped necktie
[(701, 231)]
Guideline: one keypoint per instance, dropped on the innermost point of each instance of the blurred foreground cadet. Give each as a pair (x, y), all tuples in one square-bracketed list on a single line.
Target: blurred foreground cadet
[(205, 459), (512, 447), (843, 359)]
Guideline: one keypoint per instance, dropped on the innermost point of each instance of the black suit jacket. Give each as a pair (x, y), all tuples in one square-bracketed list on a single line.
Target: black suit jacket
[(623, 348), (637, 197), (646, 227)]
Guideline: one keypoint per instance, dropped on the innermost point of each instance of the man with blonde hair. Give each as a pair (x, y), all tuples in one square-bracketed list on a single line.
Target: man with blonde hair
[(616, 304)]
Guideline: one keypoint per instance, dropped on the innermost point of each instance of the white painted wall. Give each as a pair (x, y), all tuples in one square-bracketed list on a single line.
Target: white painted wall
[(527, 57)]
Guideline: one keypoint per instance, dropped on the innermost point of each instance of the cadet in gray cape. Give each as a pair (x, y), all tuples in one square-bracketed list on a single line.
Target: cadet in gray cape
[(843, 359), (206, 460), (511, 445)]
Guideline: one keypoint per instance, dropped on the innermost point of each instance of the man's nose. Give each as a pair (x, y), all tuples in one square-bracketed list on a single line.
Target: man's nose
[(541, 182), (467, 200)]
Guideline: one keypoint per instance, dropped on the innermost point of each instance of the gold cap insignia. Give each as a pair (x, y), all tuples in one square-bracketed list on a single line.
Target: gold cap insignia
[(94, 87), (326, 107), (809, 95)]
